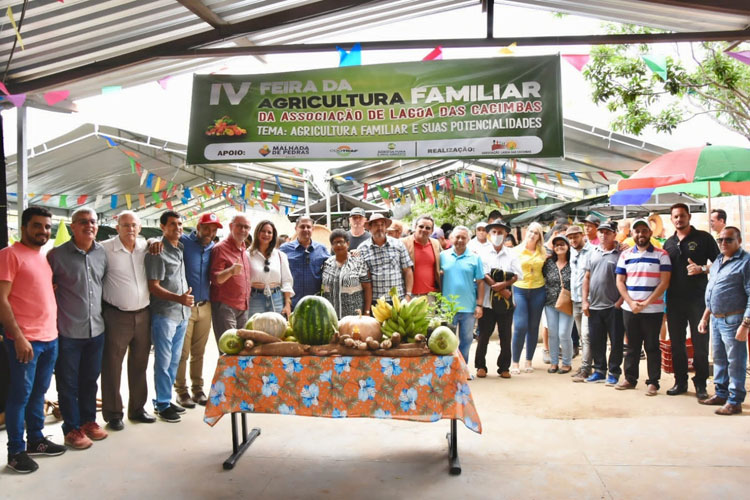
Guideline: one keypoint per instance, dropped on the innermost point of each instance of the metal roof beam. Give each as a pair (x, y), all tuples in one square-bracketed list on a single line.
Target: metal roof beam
[(200, 9)]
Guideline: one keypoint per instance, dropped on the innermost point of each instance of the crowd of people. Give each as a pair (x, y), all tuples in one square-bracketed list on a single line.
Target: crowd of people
[(77, 311)]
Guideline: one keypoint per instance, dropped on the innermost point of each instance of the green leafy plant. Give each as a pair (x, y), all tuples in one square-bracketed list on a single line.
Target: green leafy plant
[(444, 308)]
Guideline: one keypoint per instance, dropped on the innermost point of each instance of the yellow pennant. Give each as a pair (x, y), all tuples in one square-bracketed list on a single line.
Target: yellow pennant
[(559, 177), (15, 28), (508, 50), (275, 199), (158, 183), (128, 201)]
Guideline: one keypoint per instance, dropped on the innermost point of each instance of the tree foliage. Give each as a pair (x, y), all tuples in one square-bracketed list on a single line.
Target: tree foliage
[(455, 211), (710, 82)]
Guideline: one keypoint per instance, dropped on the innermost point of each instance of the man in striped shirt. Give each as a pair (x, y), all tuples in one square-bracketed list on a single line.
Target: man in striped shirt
[(643, 274)]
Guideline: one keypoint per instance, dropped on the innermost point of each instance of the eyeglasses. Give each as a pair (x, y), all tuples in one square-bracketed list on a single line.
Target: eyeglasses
[(266, 266), (85, 222), (725, 240), (422, 226)]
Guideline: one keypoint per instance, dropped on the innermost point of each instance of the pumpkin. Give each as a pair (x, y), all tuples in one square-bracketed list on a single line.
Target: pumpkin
[(362, 326), (314, 320), (269, 322)]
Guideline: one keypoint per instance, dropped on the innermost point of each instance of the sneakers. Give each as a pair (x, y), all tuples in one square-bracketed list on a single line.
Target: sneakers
[(94, 431), (581, 376), (611, 380), (44, 447), (78, 440), (179, 409), (169, 415), (595, 378), (22, 463)]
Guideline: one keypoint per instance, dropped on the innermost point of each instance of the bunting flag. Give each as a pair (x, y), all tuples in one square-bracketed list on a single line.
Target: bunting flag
[(256, 189), (294, 200), (149, 180), (743, 56), (546, 179), (602, 174), (364, 192), (111, 89), (575, 177), (503, 170), (155, 197), (110, 142), (486, 200), (164, 195), (131, 154), (351, 58), (82, 199), (543, 196), (278, 184), (141, 200), (144, 175), (138, 168), (577, 60), (473, 182), (16, 99), (622, 174), (483, 182), (559, 177), (263, 194), (286, 210), (495, 180), (158, 183), (129, 201), (383, 192), (4, 89), (55, 96), (533, 178), (9, 13), (532, 192), (518, 179), (169, 205), (515, 192), (276, 198), (657, 64), (63, 201), (113, 201), (507, 50), (187, 194), (98, 201), (435, 55), (163, 82), (62, 233), (501, 189), (132, 165)]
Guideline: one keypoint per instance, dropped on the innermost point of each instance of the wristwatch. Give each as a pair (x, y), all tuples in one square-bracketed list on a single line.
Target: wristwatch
[(704, 269), (746, 321)]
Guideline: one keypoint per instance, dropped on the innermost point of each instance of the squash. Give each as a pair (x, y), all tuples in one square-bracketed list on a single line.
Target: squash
[(269, 322), (364, 326)]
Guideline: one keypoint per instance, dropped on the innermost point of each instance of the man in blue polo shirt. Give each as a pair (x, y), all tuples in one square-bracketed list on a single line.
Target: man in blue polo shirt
[(463, 276), (643, 273)]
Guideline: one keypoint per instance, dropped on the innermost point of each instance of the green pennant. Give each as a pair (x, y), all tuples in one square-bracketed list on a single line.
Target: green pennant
[(256, 188), (657, 64), (622, 174), (156, 197), (132, 165), (383, 193), (533, 178), (63, 201)]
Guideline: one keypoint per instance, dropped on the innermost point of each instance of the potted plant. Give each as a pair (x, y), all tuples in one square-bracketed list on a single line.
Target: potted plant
[(442, 311)]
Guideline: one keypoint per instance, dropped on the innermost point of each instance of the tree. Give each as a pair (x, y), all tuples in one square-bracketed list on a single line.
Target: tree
[(712, 83), (455, 211)]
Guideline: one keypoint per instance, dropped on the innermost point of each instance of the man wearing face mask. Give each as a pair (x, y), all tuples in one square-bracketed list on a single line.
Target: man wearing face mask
[(501, 269), (425, 254)]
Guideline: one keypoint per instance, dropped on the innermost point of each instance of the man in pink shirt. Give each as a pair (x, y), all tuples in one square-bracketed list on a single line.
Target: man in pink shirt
[(28, 312), (230, 278)]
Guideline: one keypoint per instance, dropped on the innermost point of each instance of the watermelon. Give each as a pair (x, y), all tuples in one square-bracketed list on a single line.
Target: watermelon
[(314, 320)]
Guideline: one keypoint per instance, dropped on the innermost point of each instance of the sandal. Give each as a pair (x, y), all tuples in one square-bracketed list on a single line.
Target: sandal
[(529, 368), (565, 369), (552, 369), (515, 371)]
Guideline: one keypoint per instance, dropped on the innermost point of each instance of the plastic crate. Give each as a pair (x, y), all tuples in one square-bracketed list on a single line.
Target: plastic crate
[(666, 355)]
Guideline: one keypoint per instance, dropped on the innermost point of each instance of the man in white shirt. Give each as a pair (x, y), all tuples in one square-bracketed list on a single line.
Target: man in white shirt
[(501, 269), (128, 323), (479, 242)]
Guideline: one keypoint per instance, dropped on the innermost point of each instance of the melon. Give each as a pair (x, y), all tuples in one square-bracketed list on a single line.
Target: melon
[(314, 320)]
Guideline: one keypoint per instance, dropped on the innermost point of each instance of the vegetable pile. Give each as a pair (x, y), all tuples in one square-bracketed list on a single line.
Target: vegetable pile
[(225, 126)]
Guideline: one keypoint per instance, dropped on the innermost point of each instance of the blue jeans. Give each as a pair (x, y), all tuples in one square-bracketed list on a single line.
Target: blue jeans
[(79, 364), (465, 331), (730, 359), (526, 317), (260, 303), (28, 385), (560, 326), (167, 336)]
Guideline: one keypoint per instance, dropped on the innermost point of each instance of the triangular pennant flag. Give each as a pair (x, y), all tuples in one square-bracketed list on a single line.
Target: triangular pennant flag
[(128, 201), (515, 192), (503, 170), (4, 89), (170, 185), (508, 50), (63, 201), (743, 56), (187, 194), (99, 198), (55, 96), (141, 200), (364, 191), (158, 183), (546, 178), (9, 13), (164, 81), (383, 193), (16, 99), (111, 89), (518, 180), (533, 178), (532, 192), (559, 177), (169, 205), (657, 64), (351, 58), (501, 189), (62, 234), (113, 201), (138, 168), (155, 197), (132, 165), (149, 180), (144, 174), (276, 198), (622, 174), (46, 197), (286, 210), (164, 195), (543, 196), (577, 60), (575, 177), (131, 154), (605, 177), (263, 194), (82, 199), (294, 200), (436, 54), (278, 184)]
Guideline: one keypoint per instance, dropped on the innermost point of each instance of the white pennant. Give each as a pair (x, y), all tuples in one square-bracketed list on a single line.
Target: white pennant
[(144, 174), (98, 200), (515, 191)]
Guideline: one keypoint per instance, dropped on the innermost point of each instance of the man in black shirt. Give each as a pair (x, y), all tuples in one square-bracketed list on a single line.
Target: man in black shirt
[(689, 250)]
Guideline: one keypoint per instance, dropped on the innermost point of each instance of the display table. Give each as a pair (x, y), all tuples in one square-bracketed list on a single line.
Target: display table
[(423, 389)]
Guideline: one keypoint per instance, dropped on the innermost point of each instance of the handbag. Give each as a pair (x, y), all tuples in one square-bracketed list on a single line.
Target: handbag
[(564, 303)]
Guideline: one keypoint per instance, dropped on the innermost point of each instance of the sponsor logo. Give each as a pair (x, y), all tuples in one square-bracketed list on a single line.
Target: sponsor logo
[(500, 145), (391, 151), (344, 150), (289, 150), (264, 150), (391, 146), (450, 150)]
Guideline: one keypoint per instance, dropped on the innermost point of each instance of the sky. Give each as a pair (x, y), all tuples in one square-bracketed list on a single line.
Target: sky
[(164, 114)]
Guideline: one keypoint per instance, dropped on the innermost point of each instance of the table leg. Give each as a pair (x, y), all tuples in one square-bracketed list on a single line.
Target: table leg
[(238, 448), (452, 436)]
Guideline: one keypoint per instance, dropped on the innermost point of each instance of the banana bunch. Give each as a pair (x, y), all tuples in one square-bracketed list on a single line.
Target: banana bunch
[(382, 311), (408, 319)]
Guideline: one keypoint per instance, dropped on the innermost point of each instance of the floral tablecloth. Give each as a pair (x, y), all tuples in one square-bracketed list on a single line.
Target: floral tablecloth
[(424, 389)]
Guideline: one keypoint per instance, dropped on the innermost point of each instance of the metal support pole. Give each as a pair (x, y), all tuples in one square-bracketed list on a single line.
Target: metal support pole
[(307, 198), (328, 204), (490, 18), (742, 222), (3, 191), (22, 163)]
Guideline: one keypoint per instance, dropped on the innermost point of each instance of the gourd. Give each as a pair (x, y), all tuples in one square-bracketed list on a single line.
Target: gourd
[(269, 322)]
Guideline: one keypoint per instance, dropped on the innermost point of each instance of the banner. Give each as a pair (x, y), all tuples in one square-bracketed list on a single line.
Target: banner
[(478, 108)]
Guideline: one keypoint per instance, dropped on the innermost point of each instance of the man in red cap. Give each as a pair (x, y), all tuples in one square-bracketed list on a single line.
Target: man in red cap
[(197, 255)]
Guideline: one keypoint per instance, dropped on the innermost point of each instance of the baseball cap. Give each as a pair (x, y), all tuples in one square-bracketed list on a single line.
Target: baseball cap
[(593, 219), (560, 237), (607, 225), (357, 211), (640, 221), (482, 225), (573, 230), (210, 218)]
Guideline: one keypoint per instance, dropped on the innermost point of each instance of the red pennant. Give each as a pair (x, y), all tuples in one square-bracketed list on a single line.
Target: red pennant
[(364, 192), (142, 200), (518, 180), (169, 205), (577, 60), (263, 194), (82, 199), (138, 168), (605, 177), (131, 154), (163, 195), (436, 54), (546, 178)]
